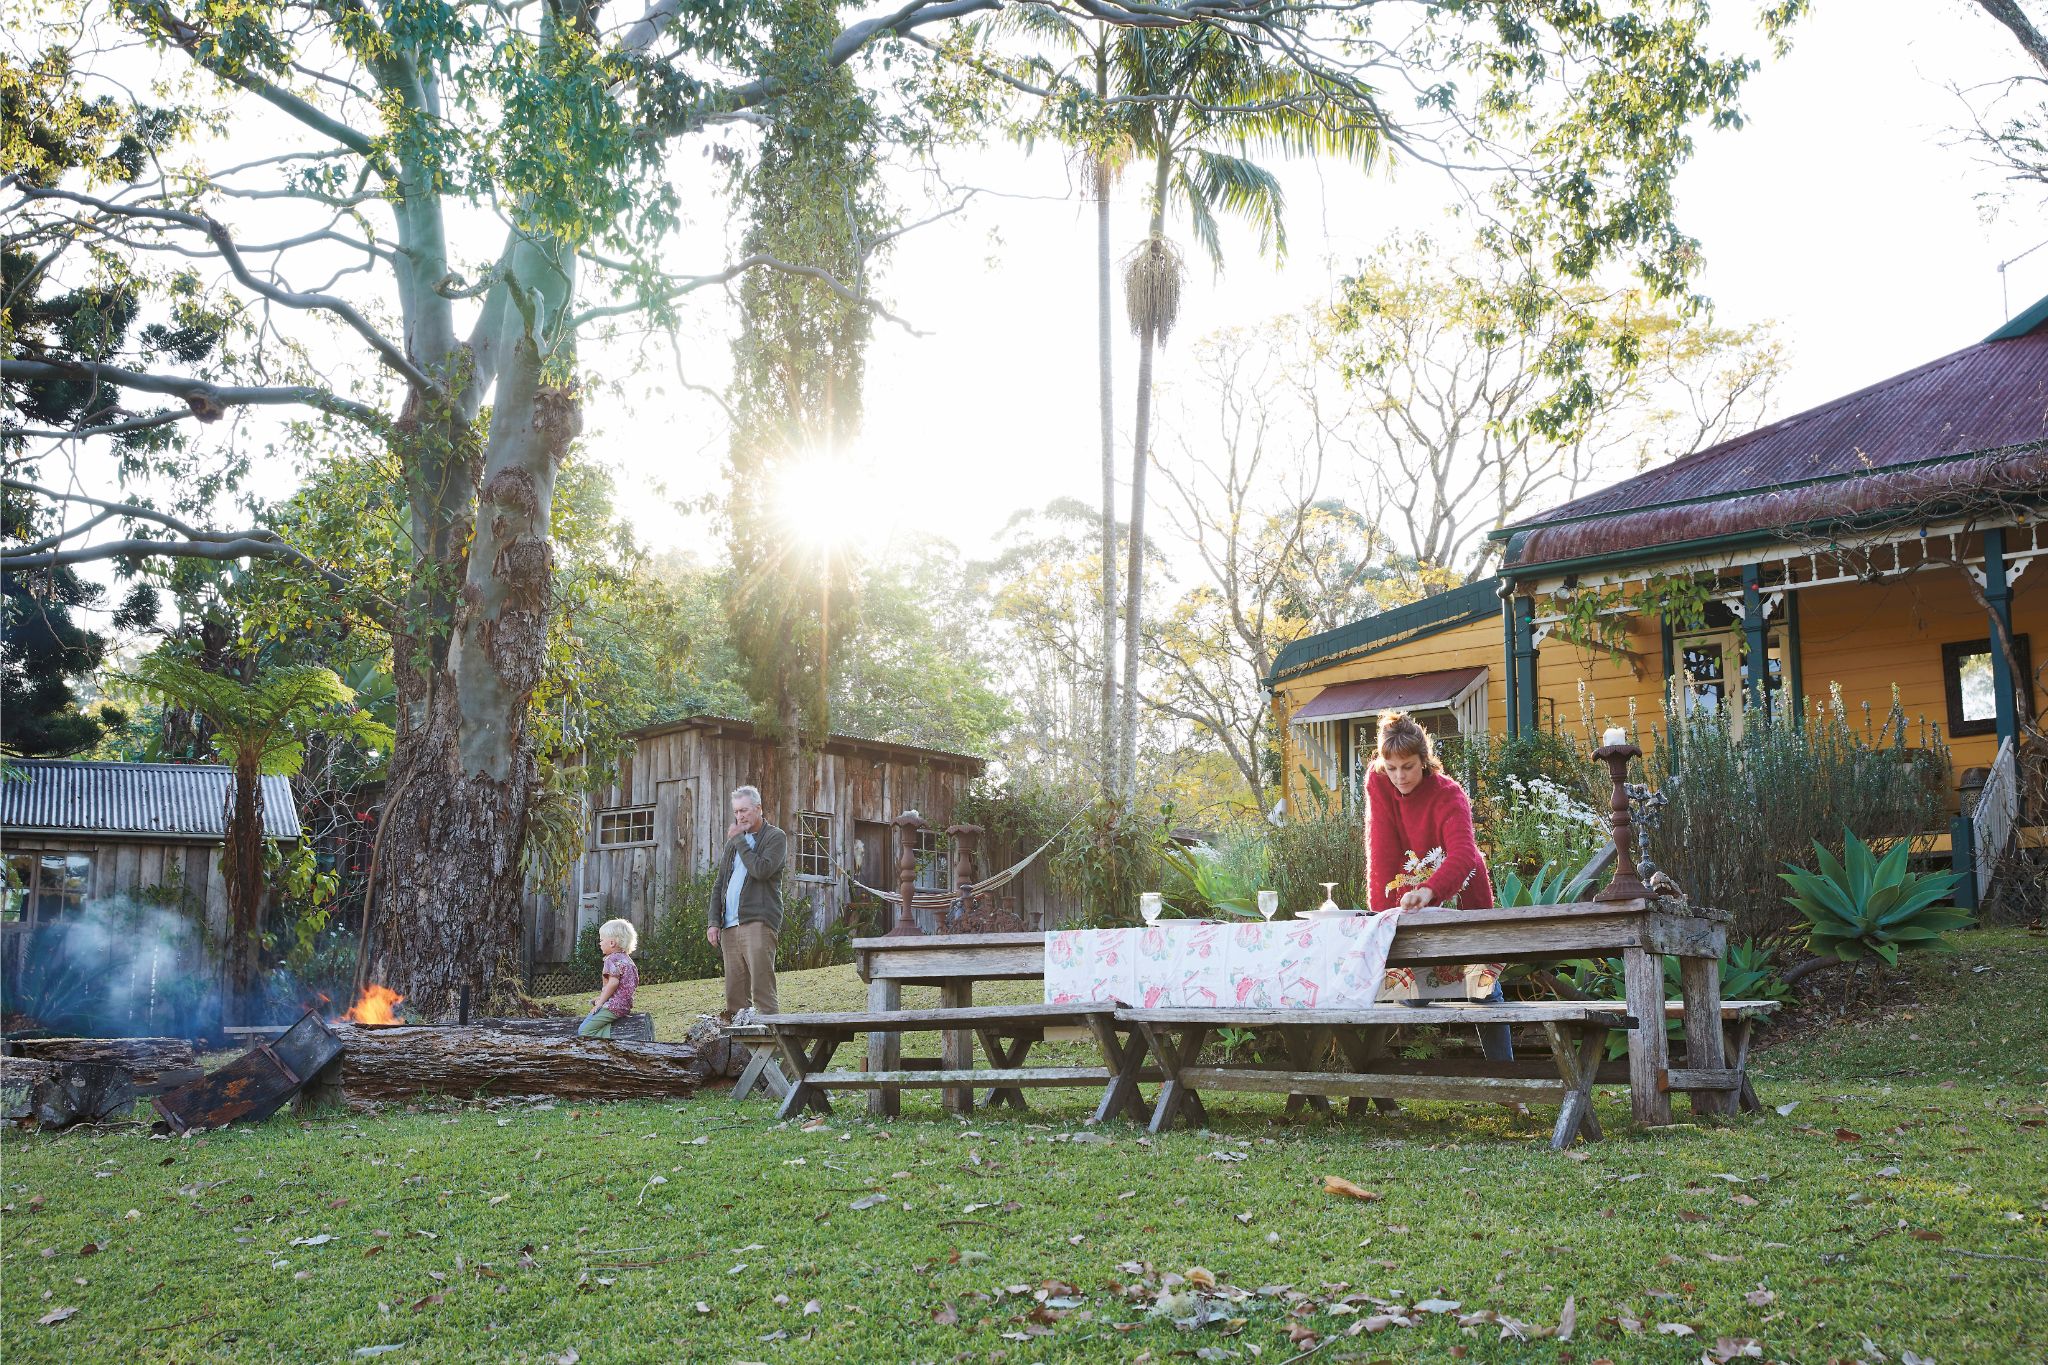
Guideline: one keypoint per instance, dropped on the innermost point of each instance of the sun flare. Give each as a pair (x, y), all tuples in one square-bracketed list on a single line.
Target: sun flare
[(833, 504)]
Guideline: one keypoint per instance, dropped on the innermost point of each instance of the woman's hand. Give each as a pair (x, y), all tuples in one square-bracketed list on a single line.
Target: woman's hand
[(1416, 899)]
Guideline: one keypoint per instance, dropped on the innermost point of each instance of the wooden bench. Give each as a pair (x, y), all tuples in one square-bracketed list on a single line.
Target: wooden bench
[(1738, 1020), (808, 1042), (1576, 1032), (759, 1044)]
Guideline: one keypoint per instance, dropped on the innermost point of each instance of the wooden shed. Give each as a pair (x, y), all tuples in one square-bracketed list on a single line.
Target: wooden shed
[(663, 819), (75, 834)]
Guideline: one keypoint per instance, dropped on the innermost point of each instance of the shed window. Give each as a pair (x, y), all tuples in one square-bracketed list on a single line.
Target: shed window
[(45, 887), (1966, 676), (931, 859), (814, 844), (625, 825)]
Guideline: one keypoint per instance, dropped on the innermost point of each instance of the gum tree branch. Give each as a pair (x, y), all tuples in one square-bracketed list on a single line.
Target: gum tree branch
[(209, 402)]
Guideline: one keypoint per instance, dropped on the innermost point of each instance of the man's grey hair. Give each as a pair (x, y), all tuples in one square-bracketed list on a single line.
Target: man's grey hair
[(752, 794)]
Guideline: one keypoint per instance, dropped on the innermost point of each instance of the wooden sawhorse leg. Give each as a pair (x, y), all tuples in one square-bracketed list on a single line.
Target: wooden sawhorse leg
[(1125, 1058), (1362, 1047), (802, 1094), (1005, 1054), (1578, 1064), (1175, 1093)]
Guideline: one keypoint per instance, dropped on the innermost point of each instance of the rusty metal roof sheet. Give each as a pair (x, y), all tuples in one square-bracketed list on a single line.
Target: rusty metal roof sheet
[(147, 800), (1370, 696), (1987, 402)]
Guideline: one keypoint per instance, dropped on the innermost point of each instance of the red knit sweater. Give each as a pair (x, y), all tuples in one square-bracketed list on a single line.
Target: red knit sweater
[(1437, 814)]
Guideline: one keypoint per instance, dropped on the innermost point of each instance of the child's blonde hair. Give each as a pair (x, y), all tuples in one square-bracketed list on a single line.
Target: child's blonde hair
[(621, 932), (1402, 737)]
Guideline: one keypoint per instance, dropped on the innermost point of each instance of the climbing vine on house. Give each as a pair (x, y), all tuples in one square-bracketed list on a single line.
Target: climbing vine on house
[(1599, 618)]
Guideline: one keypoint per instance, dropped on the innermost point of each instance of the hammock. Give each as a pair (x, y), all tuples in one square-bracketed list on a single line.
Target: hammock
[(945, 900)]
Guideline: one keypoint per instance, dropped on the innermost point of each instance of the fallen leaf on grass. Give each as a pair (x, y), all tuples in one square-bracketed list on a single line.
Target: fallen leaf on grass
[(430, 1301), (1568, 1321), (498, 1199), (1731, 1348), (91, 1249), (868, 1201), (1925, 1235), (1760, 1297), (1844, 1135), (318, 1241), (54, 1316), (1437, 1306), (1673, 1329), (1745, 1201), (946, 1316), (1337, 1184), (1691, 1216)]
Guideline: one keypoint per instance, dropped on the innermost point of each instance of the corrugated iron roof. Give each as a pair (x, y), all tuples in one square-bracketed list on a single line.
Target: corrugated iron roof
[(747, 730), (1372, 695), (1457, 607), (148, 799), (1991, 397)]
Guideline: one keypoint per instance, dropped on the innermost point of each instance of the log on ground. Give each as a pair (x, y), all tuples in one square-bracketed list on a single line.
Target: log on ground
[(145, 1059), (637, 1027), (399, 1063)]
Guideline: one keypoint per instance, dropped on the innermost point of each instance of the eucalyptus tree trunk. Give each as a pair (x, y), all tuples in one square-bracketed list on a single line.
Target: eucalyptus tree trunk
[(472, 641), (1106, 736)]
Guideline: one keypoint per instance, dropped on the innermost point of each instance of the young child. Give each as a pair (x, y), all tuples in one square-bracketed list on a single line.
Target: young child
[(1416, 816), (616, 938)]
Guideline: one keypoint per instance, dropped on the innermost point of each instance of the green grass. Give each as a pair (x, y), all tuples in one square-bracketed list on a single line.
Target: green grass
[(1902, 1200)]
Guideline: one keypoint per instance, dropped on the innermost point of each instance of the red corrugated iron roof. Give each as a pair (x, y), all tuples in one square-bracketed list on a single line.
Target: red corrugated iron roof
[(1988, 401), (1403, 693)]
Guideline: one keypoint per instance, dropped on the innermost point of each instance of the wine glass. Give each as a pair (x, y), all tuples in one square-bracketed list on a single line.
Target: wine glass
[(1329, 905), (1150, 905), (1269, 905)]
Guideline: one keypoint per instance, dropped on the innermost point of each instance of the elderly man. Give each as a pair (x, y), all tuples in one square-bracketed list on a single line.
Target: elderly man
[(746, 906)]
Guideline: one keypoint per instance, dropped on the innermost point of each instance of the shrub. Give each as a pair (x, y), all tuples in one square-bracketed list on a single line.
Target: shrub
[(1534, 800), (1864, 906), (1106, 858), (1221, 879), (1744, 808), (1323, 840), (802, 945)]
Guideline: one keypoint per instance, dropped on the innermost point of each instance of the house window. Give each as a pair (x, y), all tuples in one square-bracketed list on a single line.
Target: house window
[(1966, 677), (625, 825), (814, 844), (1710, 662), (20, 871)]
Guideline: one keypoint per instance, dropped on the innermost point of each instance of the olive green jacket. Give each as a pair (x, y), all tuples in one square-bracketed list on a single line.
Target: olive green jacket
[(761, 893)]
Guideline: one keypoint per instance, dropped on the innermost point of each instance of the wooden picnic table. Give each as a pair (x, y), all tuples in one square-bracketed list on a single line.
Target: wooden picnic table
[(1642, 933)]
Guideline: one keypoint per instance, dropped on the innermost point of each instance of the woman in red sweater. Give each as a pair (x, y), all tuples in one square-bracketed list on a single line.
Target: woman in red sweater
[(1413, 810)]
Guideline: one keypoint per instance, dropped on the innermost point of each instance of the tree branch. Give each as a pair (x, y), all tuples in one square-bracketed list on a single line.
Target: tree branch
[(393, 354), (208, 402)]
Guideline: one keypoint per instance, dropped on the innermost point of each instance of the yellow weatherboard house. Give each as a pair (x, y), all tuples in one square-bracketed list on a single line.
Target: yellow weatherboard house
[(1873, 547)]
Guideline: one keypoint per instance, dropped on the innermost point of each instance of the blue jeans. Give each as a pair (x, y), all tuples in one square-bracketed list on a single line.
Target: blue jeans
[(1495, 1040)]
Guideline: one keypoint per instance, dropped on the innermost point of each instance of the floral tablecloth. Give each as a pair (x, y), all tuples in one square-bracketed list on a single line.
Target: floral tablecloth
[(1333, 963)]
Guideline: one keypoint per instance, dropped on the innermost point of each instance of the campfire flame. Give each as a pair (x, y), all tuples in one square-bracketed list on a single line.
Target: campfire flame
[(379, 1005)]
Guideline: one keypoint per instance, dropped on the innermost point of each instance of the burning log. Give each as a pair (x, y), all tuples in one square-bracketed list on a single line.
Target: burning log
[(149, 1061), (401, 1061)]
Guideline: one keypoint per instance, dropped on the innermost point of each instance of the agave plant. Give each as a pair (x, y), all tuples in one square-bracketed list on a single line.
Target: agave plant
[(1867, 906), (1545, 886)]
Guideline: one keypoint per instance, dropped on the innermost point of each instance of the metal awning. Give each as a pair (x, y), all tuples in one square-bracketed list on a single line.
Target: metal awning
[(1407, 692)]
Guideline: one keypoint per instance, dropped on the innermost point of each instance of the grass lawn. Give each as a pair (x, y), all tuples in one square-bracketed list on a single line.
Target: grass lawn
[(1901, 1206)]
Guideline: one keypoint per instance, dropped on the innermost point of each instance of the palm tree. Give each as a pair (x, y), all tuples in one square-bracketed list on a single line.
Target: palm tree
[(259, 729), (1204, 102)]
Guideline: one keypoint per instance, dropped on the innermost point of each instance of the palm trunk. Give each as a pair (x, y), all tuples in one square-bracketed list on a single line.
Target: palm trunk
[(242, 868), (1141, 456), (1106, 751)]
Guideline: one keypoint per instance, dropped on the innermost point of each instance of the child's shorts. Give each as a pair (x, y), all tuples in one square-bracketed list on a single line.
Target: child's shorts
[(597, 1025)]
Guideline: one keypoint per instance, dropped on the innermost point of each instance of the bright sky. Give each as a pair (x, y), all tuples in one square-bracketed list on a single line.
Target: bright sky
[(1846, 211)]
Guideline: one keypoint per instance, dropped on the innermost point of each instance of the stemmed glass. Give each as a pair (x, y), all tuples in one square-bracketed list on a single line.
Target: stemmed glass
[(1150, 905), (1329, 905), (1269, 905)]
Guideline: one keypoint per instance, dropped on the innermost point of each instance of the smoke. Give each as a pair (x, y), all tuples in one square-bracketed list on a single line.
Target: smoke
[(114, 967)]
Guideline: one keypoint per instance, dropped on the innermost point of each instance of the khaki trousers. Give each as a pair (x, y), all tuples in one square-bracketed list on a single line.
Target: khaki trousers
[(749, 952)]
